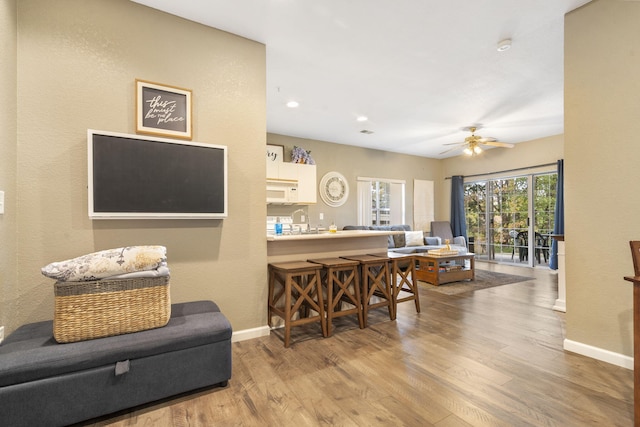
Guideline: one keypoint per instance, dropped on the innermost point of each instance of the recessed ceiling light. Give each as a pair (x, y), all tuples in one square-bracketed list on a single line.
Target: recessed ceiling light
[(504, 45), (292, 104), (362, 118)]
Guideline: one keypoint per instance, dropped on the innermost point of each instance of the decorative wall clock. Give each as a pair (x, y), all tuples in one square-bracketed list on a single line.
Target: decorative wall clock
[(334, 189)]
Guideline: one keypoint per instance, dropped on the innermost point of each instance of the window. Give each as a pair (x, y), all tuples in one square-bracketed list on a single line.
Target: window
[(380, 201), (499, 215)]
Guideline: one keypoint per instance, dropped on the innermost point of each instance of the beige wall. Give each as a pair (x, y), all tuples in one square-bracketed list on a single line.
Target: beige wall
[(602, 107), (77, 62), (352, 162), (8, 227)]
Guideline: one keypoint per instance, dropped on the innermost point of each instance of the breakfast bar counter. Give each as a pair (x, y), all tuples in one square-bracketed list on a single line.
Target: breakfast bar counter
[(293, 247)]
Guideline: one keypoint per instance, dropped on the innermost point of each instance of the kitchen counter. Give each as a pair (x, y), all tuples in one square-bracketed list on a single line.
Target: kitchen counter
[(342, 234), (301, 247)]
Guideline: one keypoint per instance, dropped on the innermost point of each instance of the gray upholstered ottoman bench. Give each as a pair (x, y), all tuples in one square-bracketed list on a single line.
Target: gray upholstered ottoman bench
[(43, 383)]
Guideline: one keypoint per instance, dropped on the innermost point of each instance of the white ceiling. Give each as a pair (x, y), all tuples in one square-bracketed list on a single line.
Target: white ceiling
[(420, 70)]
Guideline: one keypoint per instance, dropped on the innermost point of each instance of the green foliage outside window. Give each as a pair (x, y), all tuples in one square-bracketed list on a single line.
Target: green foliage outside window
[(496, 210)]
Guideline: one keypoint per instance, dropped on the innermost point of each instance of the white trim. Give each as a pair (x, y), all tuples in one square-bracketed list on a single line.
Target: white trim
[(513, 173), (560, 305), (599, 354), (397, 203), (561, 302), (248, 334), (393, 181), (110, 215), (363, 194)]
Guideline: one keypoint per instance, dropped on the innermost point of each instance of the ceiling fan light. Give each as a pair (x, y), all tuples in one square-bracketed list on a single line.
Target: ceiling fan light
[(477, 149), (468, 151)]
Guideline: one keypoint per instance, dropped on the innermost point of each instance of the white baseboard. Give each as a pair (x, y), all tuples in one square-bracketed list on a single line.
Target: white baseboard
[(560, 305), (248, 334), (599, 354), (569, 345)]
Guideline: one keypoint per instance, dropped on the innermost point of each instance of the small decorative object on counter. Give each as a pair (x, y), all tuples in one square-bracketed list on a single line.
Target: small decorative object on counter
[(333, 228)]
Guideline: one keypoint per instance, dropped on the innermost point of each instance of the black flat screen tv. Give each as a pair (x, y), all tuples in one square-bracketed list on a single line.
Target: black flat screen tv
[(134, 177)]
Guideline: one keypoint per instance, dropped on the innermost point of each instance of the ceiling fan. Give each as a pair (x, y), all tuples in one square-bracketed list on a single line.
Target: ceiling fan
[(473, 144)]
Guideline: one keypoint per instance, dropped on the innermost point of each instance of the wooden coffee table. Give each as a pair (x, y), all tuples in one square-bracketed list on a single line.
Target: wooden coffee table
[(444, 269)]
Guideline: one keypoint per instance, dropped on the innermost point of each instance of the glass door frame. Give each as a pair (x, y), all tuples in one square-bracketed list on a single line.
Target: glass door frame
[(489, 209), (531, 218)]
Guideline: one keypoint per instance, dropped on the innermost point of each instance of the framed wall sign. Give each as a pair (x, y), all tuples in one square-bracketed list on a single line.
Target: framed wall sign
[(275, 153), (163, 110)]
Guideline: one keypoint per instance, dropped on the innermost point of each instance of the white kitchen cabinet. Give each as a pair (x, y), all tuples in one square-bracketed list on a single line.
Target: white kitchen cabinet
[(304, 175), (307, 188)]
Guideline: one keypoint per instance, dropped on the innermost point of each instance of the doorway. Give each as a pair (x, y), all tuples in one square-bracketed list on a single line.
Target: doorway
[(510, 220)]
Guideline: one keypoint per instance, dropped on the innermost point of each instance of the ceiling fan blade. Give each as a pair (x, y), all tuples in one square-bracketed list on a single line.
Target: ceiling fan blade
[(450, 149), (487, 139), (498, 144), (472, 143)]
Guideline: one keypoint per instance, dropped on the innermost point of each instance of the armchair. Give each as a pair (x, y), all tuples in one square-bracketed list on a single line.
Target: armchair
[(443, 230)]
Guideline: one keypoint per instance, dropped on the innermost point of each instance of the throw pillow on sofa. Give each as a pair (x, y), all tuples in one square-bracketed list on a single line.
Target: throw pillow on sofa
[(435, 241), (414, 238), (398, 239)]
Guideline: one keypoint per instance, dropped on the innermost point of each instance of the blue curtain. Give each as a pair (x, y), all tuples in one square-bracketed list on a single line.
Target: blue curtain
[(458, 219), (558, 219)]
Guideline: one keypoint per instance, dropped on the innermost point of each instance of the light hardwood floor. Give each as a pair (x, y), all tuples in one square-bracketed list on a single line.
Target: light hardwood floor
[(489, 358)]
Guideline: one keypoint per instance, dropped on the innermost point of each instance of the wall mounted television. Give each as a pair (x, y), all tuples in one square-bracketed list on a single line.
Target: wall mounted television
[(133, 177)]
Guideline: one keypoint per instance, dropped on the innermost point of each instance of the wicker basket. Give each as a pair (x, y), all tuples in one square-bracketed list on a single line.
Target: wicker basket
[(103, 308)]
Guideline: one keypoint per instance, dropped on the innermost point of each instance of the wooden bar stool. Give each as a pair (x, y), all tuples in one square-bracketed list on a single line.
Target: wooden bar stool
[(375, 281), (403, 278), (293, 287), (340, 278)]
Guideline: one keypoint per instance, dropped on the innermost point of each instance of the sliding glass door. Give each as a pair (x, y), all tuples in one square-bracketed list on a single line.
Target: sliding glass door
[(544, 208), (499, 216), (475, 204)]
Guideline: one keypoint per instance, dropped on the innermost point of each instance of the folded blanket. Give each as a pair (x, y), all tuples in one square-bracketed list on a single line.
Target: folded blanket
[(107, 263), (163, 270)]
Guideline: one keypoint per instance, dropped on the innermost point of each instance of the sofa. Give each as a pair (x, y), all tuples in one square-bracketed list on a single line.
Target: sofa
[(410, 241), (44, 383)]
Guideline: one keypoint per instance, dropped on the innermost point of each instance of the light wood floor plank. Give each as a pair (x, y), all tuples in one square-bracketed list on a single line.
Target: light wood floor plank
[(493, 357)]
